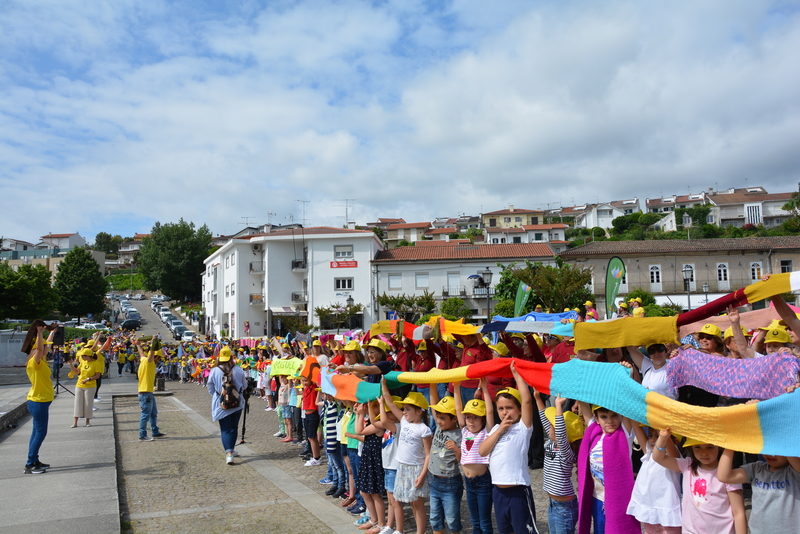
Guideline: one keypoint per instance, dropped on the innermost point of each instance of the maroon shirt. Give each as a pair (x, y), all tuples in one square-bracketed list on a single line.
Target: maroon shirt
[(563, 352)]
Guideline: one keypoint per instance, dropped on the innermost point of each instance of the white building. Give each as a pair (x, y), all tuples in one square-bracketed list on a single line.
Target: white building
[(444, 270), (61, 241), (265, 278), (553, 234)]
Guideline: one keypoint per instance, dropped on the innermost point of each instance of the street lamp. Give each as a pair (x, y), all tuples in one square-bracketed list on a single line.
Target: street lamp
[(484, 280), (687, 277), (349, 309), (705, 290)]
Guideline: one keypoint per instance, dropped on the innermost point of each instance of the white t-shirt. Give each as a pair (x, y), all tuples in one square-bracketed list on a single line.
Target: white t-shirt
[(410, 450), (656, 379), (508, 461), (596, 462)]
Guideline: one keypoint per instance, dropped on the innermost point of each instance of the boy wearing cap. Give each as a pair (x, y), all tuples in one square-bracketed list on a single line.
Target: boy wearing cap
[(147, 401), (446, 486)]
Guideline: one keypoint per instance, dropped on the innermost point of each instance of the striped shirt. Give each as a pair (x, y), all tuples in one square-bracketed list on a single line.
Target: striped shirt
[(331, 418), (558, 461), (470, 443)]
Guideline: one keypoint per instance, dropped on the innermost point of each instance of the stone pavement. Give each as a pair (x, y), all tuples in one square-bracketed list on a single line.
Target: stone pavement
[(104, 480)]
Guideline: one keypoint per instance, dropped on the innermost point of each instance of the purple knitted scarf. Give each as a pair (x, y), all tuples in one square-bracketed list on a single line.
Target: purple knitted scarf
[(756, 378), (618, 477)]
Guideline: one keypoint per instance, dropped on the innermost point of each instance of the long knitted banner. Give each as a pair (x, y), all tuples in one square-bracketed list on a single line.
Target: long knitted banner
[(763, 428)]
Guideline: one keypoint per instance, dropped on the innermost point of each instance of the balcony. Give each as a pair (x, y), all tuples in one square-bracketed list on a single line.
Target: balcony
[(299, 266), (257, 267), (454, 291), (256, 299), (299, 296)]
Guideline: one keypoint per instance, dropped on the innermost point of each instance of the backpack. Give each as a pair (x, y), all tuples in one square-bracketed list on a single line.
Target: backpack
[(230, 396)]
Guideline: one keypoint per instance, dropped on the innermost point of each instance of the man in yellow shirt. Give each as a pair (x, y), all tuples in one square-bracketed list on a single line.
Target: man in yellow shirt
[(147, 400)]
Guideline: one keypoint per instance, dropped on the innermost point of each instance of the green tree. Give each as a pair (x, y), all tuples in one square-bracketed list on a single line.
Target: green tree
[(558, 286), (648, 298), (171, 259), (80, 285), (454, 309), (104, 242), (27, 293), (504, 308), (337, 314)]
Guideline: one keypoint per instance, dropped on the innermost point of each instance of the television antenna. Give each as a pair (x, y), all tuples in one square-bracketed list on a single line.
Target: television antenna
[(246, 220), (304, 210), (348, 204)]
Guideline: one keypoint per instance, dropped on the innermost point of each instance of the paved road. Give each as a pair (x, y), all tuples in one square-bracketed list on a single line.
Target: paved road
[(151, 322)]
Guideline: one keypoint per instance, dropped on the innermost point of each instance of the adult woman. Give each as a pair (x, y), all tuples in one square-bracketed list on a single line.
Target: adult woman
[(41, 393), (88, 371), (228, 418), (376, 366), (710, 339), (653, 368)]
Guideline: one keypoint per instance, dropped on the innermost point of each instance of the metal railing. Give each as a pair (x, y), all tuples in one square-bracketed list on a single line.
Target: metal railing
[(454, 291), (257, 266), (299, 265), (256, 298)]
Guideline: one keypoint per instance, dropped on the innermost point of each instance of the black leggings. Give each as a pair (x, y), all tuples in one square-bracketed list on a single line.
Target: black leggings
[(99, 381)]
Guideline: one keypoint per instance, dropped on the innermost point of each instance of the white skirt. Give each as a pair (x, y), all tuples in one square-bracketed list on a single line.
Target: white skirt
[(404, 488)]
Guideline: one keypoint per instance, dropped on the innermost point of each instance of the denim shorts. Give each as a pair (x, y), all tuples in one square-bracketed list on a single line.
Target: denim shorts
[(286, 411), (388, 479)]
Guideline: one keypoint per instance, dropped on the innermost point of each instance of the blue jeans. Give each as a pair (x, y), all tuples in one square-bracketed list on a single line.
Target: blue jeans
[(147, 402), (336, 469), (445, 502), (229, 430), (599, 516), (479, 502), (467, 394), (40, 412), (426, 392), (355, 460), (442, 389), (562, 516), (343, 454)]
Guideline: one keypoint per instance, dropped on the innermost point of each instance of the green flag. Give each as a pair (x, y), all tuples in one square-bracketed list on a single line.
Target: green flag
[(614, 275), (523, 293)]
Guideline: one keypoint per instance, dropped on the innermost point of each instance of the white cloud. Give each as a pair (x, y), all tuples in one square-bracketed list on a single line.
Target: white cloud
[(417, 112)]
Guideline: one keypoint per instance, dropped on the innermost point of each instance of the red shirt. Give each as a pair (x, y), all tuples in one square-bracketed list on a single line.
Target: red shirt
[(310, 397), (563, 352), (478, 353), (423, 362)]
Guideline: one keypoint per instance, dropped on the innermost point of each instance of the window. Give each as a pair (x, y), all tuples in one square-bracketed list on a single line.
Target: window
[(691, 271), (233, 288), (755, 271), (227, 291), (502, 240), (722, 272), (227, 262), (495, 241), (517, 240), (506, 219), (233, 259), (492, 222), (395, 281), (343, 283), (518, 219), (655, 274), (421, 280), (786, 266), (709, 219), (343, 251), (534, 220), (537, 236), (687, 219)]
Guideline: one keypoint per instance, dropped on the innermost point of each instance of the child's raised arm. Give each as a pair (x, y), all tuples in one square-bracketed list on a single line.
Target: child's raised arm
[(660, 454), (736, 499), (487, 398), (459, 404), (387, 397), (725, 471)]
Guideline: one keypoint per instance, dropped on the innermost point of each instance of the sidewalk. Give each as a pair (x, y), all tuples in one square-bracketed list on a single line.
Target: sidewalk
[(79, 492)]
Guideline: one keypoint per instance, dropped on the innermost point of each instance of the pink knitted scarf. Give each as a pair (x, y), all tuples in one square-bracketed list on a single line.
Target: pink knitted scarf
[(618, 477)]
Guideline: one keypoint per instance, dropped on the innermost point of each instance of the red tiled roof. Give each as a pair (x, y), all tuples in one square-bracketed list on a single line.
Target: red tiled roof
[(441, 231), (555, 226), (390, 221), (677, 246), (58, 235), (741, 198), (467, 252), (512, 212), (140, 236), (400, 226), (440, 242)]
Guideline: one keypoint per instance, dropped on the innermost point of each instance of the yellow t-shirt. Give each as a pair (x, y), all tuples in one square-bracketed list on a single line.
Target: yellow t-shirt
[(101, 362), (41, 384), (87, 369), (121, 357), (638, 312), (147, 376)]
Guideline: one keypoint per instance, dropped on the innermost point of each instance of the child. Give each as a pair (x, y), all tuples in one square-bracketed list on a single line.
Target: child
[(776, 491), (413, 453), (370, 471), (656, 497), (473, 419), (446, 487), (388, 422), (349, 497), (333, 451), (559, 461), (311, 419), (708, 504), (507, 445), (284, 403), (354, 441)]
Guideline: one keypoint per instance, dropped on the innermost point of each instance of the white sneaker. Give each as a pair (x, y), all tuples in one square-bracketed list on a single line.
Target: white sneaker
[(235, 453), (269, 409), (229, 458), (98, 399), (397, 532), (386, 530), (94, 408), (311, 462)]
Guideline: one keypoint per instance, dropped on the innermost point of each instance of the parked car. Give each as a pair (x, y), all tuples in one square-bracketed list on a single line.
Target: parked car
[(94, 326), (188, 335), (175, 323), (131, 324), (178, 332), (133, 315)]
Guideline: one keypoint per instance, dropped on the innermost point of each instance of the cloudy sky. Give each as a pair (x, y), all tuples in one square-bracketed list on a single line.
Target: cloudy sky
[(114, 115)]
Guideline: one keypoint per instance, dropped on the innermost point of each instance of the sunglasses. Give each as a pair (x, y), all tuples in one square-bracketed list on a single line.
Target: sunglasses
[(705, 336), (655, 351)]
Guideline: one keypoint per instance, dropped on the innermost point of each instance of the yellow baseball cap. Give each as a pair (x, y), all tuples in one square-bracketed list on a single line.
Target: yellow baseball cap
[(378, 344), (416, 399), (316, 343), (500, 348), (352, 345), (518, 335), (573, 423), (711, 330), (587, 303), (475, 407), (777, 335), (445, 405), (422, 345), (622, 305), (225, 354), (513, 392), (729, 332), (775, 323)]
